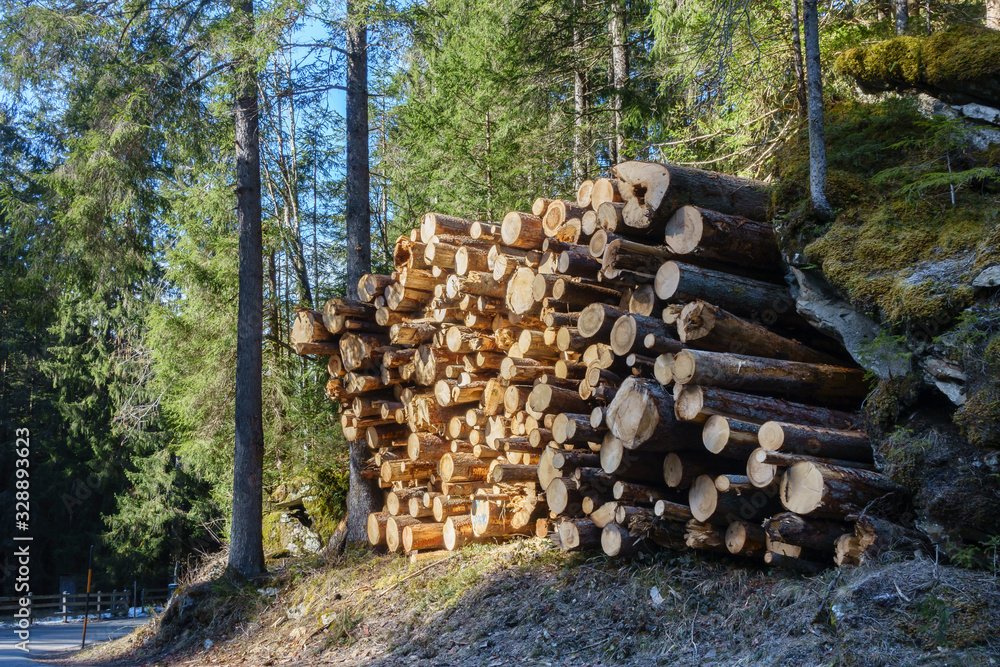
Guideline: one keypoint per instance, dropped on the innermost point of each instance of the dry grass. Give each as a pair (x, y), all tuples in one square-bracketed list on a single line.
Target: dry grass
[(527, 603)]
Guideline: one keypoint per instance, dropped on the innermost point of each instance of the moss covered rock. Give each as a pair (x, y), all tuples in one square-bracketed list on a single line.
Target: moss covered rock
[(286, 535), (960, 65)]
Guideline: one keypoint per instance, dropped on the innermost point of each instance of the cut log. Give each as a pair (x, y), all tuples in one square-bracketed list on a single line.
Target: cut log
[(597, 320), (874, 536), (443, 507), (641, 411), (605, 190), (704, 537), (696, 404), (557, 213), (745, 373), (811, 489), (394, 531), (397, 502), (514, 474), (457, 531), (583, 294), (708, 234), (757, 300), (652, 192), (578, 263), (706, 327), (426, 446), (309, 328), (609, 217), (818, 535), (578, 534), (496, 518), (744, 538), (405, 471), (631, 493), (462, 468), (679, 471), (547, 398), (672, 511), (522, 230), (436, 224), (484, 231), (816, 441), (519, 294), (376, 527), (423, 536), (575, 427), (563, 495), (709, 505), (372, 285), (629, 333), (617, 541), (729, 437)]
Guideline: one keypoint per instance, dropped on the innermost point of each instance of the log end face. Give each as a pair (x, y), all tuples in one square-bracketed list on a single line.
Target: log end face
[(703, 498), (612, 539), (771, 436), (667, 280), (684, 230), (802, 488), (715, 433)]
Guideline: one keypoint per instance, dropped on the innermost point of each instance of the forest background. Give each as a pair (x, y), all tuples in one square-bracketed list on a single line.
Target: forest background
[(118, 277)]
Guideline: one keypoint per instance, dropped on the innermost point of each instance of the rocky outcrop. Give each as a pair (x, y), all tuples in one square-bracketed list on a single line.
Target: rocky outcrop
[(826, 310)]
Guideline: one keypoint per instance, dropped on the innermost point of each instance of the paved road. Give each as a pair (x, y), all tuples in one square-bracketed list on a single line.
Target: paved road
[(60, 637)]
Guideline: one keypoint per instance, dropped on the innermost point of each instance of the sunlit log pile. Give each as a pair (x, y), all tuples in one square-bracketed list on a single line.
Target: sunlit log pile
[(624, 371)]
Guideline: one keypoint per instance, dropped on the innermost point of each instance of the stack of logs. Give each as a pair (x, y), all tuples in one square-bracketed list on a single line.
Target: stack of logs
[(624, 370)]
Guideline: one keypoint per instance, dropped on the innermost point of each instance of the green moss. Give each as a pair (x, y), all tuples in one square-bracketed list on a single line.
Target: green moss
[(961, 60), (979, 418), (904, 455), (951, 618), (889, 398), (897, 247), (272, 533)]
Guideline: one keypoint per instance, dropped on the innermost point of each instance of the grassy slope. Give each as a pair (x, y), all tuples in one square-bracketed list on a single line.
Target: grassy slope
[(528, 603)]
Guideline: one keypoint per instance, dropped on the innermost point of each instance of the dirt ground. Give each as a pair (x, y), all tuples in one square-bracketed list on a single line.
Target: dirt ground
[(527, 603)]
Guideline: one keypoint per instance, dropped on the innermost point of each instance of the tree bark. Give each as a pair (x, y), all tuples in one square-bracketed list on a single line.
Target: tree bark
[(619, 73), (902, 15), (653, 191), (800, 78), (358, 215), (817, 136), (363, 494), (246, 550), (992, 14), (704, 326), (734, 239), (746, 373), (580, 143), (697, 404)]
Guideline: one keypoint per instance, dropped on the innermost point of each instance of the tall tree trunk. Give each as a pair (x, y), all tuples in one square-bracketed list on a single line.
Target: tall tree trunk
[(800, 77), (298, 258), (580, 148), (817, 138), (246, 550), (358, 213), (992, 14), (361, 497), (619, 73), (274, 323), (902, 15)]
